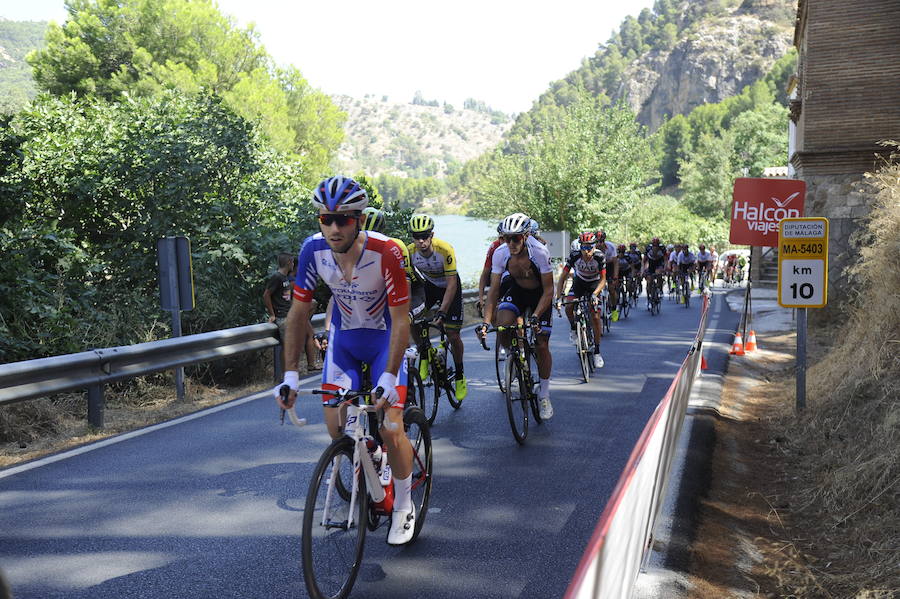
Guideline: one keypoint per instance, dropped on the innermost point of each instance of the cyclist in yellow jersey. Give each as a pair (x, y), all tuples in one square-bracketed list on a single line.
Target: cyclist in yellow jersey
[(435, 260), (375, 221)]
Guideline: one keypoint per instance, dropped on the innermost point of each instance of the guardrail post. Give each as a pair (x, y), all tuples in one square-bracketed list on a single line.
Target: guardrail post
[(278, 361), (95, 406)]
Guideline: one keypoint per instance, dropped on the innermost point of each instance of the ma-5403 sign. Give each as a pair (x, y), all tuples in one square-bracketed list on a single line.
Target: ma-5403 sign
[(803, 262)]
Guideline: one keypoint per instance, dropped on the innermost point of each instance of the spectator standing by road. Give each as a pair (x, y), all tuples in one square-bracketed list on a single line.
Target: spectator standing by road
[(277, 298)]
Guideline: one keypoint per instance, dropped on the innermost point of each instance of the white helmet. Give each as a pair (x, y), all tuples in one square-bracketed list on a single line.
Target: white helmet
[(575, 245), (515, 224)]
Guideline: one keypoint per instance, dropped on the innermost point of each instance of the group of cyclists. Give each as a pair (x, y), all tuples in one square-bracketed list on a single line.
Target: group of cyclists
[(379, 285)]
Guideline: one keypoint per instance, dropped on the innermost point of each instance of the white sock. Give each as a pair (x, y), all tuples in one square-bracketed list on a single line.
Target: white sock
[(402, 499), (545, 388)]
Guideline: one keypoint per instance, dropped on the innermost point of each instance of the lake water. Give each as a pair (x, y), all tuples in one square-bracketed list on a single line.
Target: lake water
[(470, 238)]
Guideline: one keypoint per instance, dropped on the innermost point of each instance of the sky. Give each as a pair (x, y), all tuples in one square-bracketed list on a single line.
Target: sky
[(502, 52)]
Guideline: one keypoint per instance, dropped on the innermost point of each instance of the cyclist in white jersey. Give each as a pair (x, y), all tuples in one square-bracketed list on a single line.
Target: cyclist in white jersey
[(612, 270), (704, 263), (529, 287)]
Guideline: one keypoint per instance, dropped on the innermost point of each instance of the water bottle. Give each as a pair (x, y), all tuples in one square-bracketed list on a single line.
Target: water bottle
[(374, 453), (385, 470), (442, 356)]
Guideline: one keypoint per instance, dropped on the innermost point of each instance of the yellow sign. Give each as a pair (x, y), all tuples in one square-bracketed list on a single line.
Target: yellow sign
[(803, 262)]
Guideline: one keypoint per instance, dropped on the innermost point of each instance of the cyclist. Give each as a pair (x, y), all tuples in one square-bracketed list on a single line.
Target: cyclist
[(636, 259), (730, 263), (374, 220), (687, 263), (612, 266), (590, 279), (672, 265), (741, 266), (704, 264), (529, 287), (619, 283), (485, 277), (436, 260), (535, 231), (654, 266), (365, 272)]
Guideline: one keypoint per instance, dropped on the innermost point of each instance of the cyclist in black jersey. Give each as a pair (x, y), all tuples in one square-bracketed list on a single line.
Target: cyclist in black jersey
[(589, 279)]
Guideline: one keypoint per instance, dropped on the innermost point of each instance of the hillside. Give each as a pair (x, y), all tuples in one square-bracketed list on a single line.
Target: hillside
[(410, 140), (17, 39), (680, 55)]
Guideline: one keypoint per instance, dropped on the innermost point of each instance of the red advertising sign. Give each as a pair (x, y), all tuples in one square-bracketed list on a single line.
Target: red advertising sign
[(759, 204)]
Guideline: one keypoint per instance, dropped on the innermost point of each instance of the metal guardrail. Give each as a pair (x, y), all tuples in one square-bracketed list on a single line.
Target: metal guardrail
[(92, 370)]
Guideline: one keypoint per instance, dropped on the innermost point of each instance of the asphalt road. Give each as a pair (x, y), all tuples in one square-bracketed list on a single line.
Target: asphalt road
[(211, 506)]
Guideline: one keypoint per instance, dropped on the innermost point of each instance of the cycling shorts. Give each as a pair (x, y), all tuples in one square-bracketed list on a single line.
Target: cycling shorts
[(522, 301), (654, 265), (348, 350), (416, 298), (580, 287), (434, 295)]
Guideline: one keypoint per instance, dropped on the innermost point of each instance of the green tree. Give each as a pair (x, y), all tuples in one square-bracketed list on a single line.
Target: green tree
[(140, 48), (760, 139), (675, 137), (707, 177)]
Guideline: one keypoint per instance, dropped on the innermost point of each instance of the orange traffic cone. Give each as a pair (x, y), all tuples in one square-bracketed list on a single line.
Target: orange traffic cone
[(703, 364), (737, 348), (751, 341)]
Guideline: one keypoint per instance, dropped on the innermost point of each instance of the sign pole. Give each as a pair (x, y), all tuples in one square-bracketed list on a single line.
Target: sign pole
[(175, 302), (801, 359)]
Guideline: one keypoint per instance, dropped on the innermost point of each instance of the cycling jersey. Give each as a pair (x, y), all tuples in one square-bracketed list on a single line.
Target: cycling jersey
[(608, 249), (586, 269), (634, 256), (537, 253), (360, 323), (490, 253), (686, 258), (378, 281), (704, 256), (439, 266)]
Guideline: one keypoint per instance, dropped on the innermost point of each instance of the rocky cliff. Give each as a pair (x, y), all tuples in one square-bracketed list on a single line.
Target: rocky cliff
[(711, 62)]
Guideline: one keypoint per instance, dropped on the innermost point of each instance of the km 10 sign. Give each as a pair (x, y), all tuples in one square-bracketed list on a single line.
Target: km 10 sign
[(803, 262), (758, 205)]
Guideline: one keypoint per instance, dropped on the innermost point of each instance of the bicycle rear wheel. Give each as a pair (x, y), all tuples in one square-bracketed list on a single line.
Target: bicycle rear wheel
[(516, 399), (419, 434), (334, 528)]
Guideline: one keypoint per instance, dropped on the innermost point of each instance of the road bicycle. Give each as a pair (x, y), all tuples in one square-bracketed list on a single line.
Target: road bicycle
[(633, 288), (584, 334), (654, 293), (703, 279), (622, 299), (604, 308), (441, 376), (684, 289), (351, 492), (521, 395)]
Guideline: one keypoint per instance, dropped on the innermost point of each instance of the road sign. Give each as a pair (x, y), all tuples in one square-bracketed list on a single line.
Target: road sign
[(176, 275), (757, 206), (803, 262)]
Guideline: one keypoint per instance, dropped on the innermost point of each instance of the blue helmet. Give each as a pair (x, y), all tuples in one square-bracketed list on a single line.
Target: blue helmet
[(339, 194), (533, 225)]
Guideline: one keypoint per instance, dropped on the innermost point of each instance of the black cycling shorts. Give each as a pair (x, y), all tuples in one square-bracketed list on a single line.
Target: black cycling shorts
[(523, 301), (434, 296), (580, 287)]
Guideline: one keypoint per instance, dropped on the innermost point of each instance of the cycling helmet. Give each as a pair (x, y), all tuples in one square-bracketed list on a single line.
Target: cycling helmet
[(533, 226), (500, 228), (339, 194), (601, 236), (421, 223), (655, 241), (575, 245), (515, 224), (621, 247), (374, 220), (670, 247), (702, 247), (587, 237), (632, 245)]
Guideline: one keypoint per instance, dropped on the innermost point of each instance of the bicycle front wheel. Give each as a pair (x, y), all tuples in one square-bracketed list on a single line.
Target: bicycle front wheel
[(334, 525), (419, 434), (516, 399), (416, 390), (498, 366), (582, 350)]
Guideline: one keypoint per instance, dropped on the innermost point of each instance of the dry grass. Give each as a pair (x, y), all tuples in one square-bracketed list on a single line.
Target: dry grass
[(842, 455)]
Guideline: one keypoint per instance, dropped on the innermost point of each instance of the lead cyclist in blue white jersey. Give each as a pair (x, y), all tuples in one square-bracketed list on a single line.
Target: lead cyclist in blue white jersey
[(369, 324)]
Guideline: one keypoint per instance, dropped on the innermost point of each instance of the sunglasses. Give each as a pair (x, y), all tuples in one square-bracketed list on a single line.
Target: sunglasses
[(513, 238), (587, 248), (341, 220), (421, 236)]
